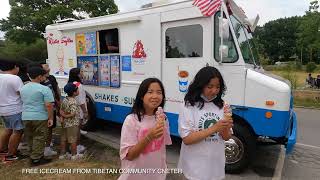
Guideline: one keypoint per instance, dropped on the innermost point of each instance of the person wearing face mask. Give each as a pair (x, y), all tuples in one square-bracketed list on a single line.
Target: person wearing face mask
[(204, 127)]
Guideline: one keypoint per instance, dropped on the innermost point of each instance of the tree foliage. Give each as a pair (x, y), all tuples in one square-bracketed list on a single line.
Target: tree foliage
[(309, 36), (36, 51), (28, 18), (278, 38)]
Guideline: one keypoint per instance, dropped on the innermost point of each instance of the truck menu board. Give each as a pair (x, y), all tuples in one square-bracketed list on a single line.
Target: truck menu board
[(104, 69), (115, 70), (89, 65)]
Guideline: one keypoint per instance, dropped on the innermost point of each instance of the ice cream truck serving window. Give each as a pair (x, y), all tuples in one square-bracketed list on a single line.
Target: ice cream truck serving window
[(98, 57)]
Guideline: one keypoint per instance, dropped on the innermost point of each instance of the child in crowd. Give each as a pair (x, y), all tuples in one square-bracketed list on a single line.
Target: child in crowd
[(70, 121), (76, 76), (37, 114), (204, 128), (145, 133)]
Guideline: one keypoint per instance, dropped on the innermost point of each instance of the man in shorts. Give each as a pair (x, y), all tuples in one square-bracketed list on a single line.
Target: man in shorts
[(10, 109)]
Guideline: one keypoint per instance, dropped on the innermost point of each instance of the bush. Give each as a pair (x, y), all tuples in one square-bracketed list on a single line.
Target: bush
[(298, 66), (292, 77), (311, 66)]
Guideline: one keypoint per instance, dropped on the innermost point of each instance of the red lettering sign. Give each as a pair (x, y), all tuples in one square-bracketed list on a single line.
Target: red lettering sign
[(64, 40)]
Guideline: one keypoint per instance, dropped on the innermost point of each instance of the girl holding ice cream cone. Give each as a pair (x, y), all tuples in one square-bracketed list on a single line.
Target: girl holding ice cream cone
[(145, 134), (205, 123)]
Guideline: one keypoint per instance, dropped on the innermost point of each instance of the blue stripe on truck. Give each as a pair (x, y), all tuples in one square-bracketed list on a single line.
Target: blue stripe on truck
[(117, 113), (277, 126)]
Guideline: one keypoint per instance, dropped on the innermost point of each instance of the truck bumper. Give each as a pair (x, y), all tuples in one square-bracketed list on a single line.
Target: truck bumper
[(292, 134)]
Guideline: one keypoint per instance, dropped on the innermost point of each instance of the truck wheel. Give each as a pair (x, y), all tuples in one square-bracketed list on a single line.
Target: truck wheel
[(240, 149), (90, 124)]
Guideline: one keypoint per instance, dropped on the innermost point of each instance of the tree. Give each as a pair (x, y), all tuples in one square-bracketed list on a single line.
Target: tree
[(28, 19), (36, 51), (278, 38), (308, 35)]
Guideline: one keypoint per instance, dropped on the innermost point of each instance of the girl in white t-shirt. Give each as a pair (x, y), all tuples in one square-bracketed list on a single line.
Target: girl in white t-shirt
[(203, 127), (144, 135)]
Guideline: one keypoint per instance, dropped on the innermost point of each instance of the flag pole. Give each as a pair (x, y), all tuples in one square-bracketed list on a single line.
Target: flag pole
[(220, 27)]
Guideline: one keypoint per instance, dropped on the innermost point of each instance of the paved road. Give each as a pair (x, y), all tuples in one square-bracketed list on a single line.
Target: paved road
[(304, 162), (308, 126)]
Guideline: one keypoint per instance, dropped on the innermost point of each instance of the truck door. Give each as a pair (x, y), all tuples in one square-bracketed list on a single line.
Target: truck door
[(186, 48)]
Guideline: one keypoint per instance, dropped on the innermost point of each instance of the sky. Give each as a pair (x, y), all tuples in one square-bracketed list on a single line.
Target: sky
[(267, 9)]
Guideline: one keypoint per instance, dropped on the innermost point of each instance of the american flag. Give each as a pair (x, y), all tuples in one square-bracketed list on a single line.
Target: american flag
[(207, 7)]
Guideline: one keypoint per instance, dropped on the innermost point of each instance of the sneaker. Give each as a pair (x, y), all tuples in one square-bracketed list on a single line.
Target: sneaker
[(11, 158), (65, 156), (80, 149), (83, 132), (41, 161), (23, 146), (49, 152), (77, 157)]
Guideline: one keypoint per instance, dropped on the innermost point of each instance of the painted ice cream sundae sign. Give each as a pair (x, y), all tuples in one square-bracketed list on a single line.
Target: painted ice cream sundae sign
[(138, 55)]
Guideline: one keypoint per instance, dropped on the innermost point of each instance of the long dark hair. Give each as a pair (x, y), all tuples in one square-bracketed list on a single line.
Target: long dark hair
[(74, 75), (202, 79), (137, 107)]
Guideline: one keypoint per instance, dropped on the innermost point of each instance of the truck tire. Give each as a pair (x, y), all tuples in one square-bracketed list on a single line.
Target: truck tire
[(240, 149), (91, 122)]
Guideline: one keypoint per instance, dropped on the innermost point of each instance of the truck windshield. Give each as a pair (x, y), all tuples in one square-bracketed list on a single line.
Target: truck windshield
[(246, 42)]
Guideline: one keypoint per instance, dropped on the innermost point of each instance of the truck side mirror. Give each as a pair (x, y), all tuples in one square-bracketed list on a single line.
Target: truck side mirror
[(224, 31), (224, 50)]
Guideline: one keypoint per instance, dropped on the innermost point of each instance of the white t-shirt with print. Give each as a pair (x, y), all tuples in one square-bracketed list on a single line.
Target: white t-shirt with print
[(10, 100), (204, 160)]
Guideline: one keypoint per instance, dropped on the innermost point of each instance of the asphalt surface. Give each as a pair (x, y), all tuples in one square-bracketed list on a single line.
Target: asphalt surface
[(304, 161)]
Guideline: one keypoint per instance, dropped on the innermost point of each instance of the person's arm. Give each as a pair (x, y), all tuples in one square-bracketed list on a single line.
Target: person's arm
[(49, 108), (137, 149), (48, 100), (226, 133), (84, 110), (67, 115), (112, 48)]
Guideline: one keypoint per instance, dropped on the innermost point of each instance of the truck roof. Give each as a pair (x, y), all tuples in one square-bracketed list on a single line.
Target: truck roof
[(135, 16), (117, 18)]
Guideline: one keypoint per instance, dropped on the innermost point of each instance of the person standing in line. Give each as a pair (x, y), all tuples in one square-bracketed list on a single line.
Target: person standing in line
[(52, 83), (204, 127), (37, 114), (70, 122), (145, 133), (10, 109), (75, 76)]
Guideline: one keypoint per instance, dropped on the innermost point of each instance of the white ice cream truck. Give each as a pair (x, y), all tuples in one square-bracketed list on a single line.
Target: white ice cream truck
[(172, 42)]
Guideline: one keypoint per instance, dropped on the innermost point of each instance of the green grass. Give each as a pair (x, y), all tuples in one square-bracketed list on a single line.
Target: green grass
[(307, 102), (98, 156), (298, 81)]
